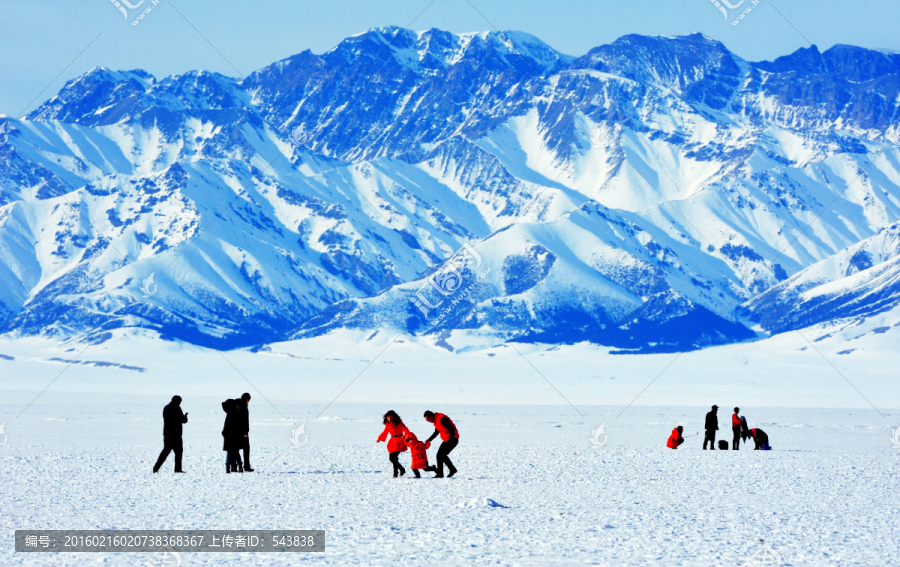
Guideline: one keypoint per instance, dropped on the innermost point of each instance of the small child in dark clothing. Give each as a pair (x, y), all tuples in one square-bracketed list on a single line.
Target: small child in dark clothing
[(419, 456)]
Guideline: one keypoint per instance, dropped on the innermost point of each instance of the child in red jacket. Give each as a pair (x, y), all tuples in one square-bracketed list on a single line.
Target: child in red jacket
[(419, 456)]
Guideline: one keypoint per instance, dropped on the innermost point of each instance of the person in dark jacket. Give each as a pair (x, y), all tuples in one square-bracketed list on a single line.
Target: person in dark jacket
[(736, 429), (244, 428), (444, 427), (232, 439), (172, 422), (760, 438), (711, 426)]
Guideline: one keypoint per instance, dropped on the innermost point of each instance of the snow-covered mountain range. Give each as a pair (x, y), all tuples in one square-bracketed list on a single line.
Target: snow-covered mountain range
[(653, 194)]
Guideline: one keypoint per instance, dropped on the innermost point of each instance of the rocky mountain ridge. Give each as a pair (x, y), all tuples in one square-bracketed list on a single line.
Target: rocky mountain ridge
[(653, 194)]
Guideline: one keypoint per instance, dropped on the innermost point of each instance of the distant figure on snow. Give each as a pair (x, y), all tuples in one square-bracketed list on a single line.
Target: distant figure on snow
[(675, 439), (394, 427), (711, 426), (419, 455), (449, 437), (232, 438), (172, 421), (761, 439), (736, 429)]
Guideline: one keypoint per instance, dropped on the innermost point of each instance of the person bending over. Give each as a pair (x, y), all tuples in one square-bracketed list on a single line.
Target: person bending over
[(444, 427), (760, 438)]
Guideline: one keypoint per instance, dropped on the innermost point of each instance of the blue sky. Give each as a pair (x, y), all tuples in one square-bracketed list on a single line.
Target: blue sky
[(44, 44)]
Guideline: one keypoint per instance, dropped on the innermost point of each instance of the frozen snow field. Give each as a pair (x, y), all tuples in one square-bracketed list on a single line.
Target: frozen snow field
[(533, 488)]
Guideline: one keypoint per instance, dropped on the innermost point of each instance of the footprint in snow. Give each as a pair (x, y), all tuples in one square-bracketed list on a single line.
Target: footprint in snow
[(481, 502)]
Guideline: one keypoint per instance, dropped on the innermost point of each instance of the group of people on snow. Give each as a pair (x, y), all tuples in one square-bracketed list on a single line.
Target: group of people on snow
[(235, 433), (399, 438), (236, 438), (738, 427)]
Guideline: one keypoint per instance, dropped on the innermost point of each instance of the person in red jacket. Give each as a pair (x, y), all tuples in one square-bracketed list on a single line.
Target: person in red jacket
[(760, 439), (736, 429), (393, 427), (419, 456), (675, 439), (444, 427)]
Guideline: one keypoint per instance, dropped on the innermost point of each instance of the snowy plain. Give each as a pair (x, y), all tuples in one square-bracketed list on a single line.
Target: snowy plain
[(533, 488)]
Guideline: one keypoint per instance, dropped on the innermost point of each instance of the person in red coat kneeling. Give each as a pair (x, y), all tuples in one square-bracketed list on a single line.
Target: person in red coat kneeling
[(444, 427), (760, 438), (394, 427), (675, 439), (419, 456)]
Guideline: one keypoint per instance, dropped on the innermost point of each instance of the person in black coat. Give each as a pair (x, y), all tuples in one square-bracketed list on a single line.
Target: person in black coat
[(236, 434), (173, 419), (231, 437), (711, 426), (243, 425)]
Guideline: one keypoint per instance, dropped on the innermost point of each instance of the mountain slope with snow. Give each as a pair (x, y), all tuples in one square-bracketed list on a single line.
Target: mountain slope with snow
[(653, 194), (860, 281)]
